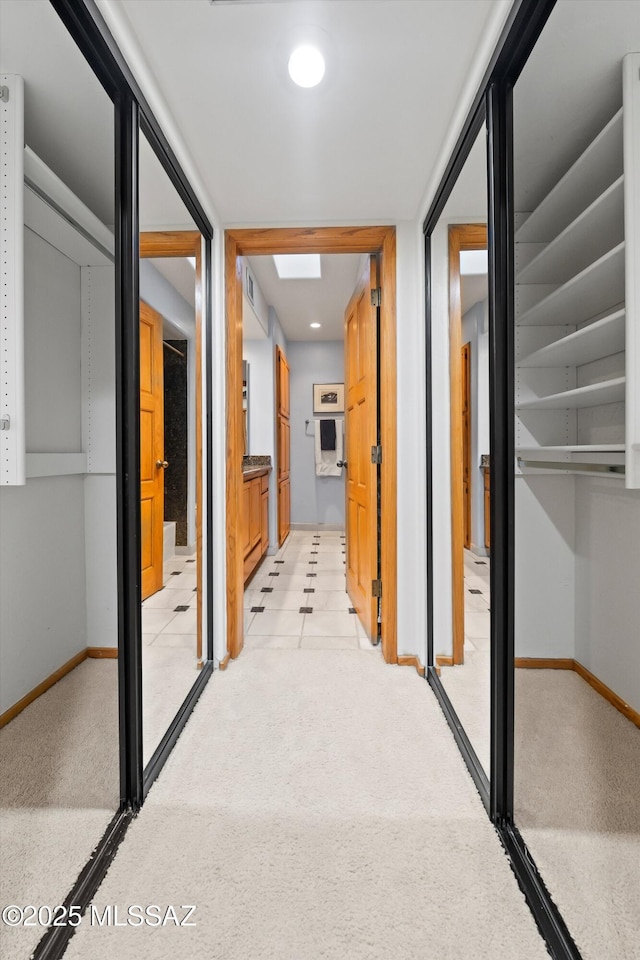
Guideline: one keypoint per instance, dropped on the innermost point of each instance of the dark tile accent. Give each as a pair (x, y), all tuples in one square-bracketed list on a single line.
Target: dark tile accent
[(267, 590), (313, 562), (257, 609), (274, 574), (480, 563), (314, 551), (176, 573), (312, 574), (181, 608), (306, 610), (190, 561), (309, 590), (195, 589), (279, 561), (352, 609), (475, 591)]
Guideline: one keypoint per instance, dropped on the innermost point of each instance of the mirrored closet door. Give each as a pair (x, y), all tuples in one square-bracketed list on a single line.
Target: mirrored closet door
[(171, 303), (58, 575), (460, 336), (577, 502)]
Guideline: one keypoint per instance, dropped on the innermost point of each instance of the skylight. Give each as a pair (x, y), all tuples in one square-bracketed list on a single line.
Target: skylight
[(473, 262), (298, 266)]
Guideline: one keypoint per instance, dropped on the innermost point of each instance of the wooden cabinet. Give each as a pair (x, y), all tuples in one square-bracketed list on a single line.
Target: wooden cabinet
[(255, 519), (284, 443)]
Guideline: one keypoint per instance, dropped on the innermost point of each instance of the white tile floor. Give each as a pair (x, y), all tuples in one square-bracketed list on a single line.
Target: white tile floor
[(303, 592), (169, 635)]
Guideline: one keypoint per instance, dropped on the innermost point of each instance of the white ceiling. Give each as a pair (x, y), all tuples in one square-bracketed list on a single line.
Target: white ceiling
[(301, 302), (570, 87), (360, 146), (180, 274)]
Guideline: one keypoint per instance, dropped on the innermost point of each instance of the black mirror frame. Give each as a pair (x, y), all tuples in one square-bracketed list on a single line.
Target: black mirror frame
[(494, 101)]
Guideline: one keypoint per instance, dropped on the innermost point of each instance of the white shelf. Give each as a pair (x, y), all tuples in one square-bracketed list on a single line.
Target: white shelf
[(599, 339), (609, 391), (589, 293), (590, 175), (576, 448), (598, 228)]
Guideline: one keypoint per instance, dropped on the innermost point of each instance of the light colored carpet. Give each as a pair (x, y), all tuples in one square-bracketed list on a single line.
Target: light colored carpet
[(59, 790), (316, 806), (577, 803)]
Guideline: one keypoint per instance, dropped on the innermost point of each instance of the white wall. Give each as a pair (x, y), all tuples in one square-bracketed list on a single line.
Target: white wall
[(313, 499)]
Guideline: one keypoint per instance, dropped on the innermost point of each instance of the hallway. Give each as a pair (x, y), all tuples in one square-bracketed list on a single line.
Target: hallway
[(316, 806)]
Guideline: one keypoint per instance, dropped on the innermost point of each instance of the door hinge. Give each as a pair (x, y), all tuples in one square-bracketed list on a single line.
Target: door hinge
[(376, 454), (376, 297), (4, 94), (376, 588)]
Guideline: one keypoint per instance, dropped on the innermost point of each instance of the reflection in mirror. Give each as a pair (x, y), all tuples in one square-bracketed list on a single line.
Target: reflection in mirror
[(170, 423), (577, 564), (58, 585), (460, 314)]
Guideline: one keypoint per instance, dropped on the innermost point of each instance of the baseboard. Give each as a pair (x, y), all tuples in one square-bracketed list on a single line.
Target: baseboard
[(42, 687), (544, 663), (408, 661), (102, 653), (607, 693), (224, 663), (443, 661), (567, 663), (97, 653)]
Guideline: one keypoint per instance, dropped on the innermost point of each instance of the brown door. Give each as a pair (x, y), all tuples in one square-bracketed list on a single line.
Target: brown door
[(361, 428), (152, 461), (466, 441), (284, 445)]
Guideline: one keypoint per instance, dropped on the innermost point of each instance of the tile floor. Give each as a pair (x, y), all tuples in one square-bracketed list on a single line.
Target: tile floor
[(169, 634), (298, 598)]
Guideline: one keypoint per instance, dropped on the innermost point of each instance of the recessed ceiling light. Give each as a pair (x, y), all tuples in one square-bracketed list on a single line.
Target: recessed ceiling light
[(192, 261), (298, 266), (306, 66), (315, 325), (473, 262)]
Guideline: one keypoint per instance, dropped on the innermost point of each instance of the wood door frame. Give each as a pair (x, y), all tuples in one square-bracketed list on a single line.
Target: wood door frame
[(379, 240), (188, 243), (462, 236)]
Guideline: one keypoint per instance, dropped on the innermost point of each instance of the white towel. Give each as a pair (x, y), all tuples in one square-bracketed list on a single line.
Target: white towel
[(326, 460)]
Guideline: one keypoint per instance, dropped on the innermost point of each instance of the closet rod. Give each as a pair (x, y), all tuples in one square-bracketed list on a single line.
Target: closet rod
[(571, 467), (175, 350)]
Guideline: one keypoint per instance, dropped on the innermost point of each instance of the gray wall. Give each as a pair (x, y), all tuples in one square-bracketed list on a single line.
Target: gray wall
[(475, 332), (313, 499), (42, 547)]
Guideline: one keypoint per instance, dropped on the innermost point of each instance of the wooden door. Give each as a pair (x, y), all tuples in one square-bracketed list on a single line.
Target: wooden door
[(361, 428), (151, 449), (466, 441), (284, 446)]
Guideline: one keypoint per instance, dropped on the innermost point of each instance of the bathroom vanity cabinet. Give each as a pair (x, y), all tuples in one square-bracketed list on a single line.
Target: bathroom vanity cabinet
[(255, 518)]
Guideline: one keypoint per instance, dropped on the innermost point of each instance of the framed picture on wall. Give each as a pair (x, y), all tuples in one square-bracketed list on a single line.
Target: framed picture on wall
[(328, 398)]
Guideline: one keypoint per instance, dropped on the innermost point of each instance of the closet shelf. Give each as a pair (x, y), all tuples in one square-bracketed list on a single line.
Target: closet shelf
[(576, 448), (599, 339), (598, 228), (609, 391), (598, 287), (595, 170)]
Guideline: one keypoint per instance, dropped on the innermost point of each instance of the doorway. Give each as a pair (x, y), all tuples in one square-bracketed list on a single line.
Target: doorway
[(358, 240)]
